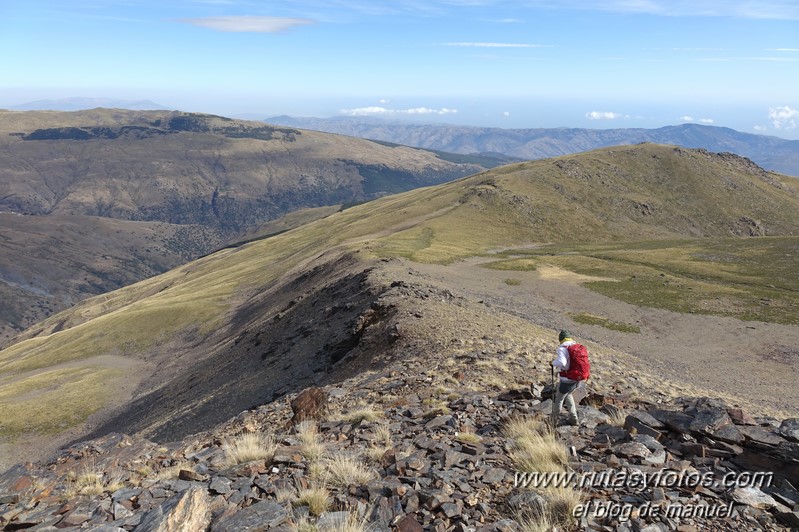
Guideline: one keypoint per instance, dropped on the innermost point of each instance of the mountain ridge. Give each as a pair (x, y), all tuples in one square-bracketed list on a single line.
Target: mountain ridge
[(772, 153), (161, 187), (79, 103)]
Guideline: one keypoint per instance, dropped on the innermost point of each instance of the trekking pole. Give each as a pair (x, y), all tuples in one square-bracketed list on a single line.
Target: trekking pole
[(553, 419)]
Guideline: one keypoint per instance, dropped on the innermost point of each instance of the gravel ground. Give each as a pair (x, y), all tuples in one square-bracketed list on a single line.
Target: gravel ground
[(751, 363)]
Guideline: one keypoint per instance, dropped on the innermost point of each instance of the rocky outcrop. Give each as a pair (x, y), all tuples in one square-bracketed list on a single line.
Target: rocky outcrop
[(693, 464)]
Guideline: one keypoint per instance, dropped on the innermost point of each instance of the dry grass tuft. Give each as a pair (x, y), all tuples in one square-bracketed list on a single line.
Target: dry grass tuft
[(312, 447), (534, 446), (617, 416), (532, 522), (561, 503), (381, 444), (91, 481), (249, 447), (467, 435), (316, 498), (352, 524), (344, 470)]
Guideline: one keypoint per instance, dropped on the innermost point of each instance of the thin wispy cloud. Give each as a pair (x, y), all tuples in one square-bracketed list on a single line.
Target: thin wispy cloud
[(764, 9), (697, 49), (784, 117), (493, 45), (749, 59), (247, 23), (378, 111)]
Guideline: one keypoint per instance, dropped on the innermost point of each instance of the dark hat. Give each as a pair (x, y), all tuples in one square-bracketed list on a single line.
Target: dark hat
[(564, 334)]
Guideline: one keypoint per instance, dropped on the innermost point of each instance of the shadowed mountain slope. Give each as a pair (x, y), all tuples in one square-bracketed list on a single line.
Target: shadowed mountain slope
[(188, 348), (112, 196)]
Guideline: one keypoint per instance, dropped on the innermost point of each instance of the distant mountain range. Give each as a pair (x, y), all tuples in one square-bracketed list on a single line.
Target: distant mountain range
[(80, 104), (772, 153)]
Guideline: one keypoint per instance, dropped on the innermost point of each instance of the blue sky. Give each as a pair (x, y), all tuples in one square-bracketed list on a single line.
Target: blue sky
[(519, 64)]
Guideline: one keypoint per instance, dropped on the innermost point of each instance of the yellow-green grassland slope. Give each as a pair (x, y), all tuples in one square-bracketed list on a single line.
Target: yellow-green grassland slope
[(631, 213)]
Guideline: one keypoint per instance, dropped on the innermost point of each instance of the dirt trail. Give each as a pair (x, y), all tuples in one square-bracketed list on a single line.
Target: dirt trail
[(755, 362)]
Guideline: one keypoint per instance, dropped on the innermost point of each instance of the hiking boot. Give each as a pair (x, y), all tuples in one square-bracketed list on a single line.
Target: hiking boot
[(574, 422)]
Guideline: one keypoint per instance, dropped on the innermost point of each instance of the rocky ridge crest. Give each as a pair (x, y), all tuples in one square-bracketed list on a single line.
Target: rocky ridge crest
[(437, 459)]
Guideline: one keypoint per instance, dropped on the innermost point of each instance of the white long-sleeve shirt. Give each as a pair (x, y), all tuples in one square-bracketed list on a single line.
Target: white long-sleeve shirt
[(562, 359)]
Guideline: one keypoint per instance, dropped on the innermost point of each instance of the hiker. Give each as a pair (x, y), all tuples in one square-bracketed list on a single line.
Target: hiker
[(572, 363)]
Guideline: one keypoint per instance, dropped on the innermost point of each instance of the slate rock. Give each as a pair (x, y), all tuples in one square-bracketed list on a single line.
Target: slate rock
[(494, 475), (789, 429), (753, 497), (657, 458), (409, 523), (256, 518), (708, 420), (646, 418), (310, 403), (220, 485), (439, 421), (451, 509), (635, 425), (633, 450), (651, 443), (190, 475), (188, 510), (676, 421), (728, 434), (760, 435), (740, 417)]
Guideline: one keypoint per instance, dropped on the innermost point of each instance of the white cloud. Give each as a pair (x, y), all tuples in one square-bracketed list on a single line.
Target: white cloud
[(760, 128), (602, 115), (367, 111), (493, 45), (783, 117), (505, 113), (701, 120), (789, 50), (247, 24), (383, 101)]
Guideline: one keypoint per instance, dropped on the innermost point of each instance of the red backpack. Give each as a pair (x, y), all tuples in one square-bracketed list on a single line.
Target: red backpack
[(579, 367)]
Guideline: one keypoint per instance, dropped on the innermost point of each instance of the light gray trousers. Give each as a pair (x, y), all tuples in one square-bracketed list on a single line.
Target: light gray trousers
[(564, 395)]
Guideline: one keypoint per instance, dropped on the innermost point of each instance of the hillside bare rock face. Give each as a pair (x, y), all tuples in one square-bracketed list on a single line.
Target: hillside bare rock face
[(94, 200), (189, 168)]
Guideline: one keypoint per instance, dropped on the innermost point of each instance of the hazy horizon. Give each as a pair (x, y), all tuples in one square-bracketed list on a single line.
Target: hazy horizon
[(495, 63)]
